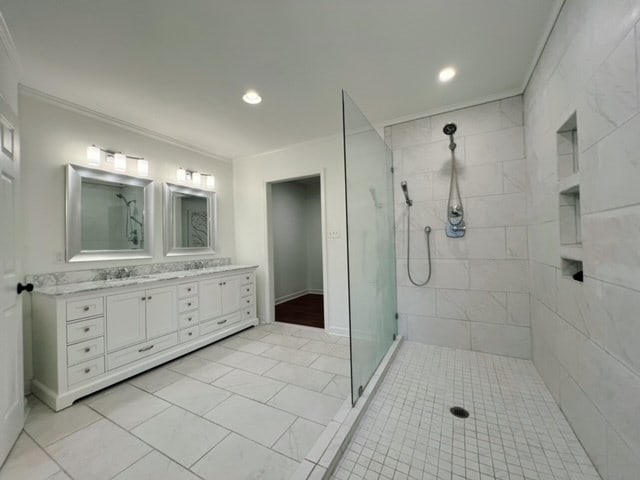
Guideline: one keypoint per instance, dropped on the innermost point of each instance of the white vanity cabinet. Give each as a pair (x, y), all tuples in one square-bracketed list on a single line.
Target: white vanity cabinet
[(84, 341)]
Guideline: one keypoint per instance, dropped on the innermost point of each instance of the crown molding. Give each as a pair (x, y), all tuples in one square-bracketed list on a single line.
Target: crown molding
[(6, 40), (74, 107)]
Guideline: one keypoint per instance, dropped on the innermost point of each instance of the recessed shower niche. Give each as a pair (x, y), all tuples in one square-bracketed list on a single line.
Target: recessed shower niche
[(569, 199)]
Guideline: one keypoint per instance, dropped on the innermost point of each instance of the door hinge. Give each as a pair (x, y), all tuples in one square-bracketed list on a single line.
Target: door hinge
[(393, 170), (397, 316)]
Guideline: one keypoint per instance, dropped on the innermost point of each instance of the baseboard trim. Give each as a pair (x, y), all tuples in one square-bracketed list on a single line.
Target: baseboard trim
[(293, 296)]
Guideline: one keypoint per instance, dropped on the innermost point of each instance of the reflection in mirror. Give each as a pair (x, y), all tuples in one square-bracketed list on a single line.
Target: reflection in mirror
[(189, 220), (112, 216), (108, 215)]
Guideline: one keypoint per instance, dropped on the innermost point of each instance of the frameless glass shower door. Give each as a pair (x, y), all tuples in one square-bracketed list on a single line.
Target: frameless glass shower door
[(371, 245)]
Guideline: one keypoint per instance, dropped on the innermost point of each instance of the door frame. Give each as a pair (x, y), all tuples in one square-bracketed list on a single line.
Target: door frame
[(270, 274)]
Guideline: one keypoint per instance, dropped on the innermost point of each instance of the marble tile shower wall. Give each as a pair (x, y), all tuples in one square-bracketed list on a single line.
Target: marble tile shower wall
[(478, 296), (586, 336)]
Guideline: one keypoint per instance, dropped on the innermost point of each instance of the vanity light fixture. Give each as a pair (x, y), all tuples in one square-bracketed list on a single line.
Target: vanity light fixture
[(120, 162), (184, 175), (252, 97), (118, 159), (447, 74), (93, 156)]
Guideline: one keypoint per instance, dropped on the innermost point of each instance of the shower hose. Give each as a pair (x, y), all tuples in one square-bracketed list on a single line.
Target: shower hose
[(427, 231)]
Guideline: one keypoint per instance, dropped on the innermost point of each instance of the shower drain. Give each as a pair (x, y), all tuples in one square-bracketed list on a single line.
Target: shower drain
[(459, 412)]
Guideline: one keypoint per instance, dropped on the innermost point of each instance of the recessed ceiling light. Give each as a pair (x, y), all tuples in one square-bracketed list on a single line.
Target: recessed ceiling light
[(447, 74), (252, 97)]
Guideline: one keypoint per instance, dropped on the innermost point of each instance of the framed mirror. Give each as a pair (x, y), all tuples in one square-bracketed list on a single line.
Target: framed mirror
[(109, 216), (190, 219)]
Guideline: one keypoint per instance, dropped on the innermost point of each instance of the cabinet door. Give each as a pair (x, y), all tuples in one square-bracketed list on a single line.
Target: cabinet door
[(162, 316), (230, 294), (125, 319), (210, 299)]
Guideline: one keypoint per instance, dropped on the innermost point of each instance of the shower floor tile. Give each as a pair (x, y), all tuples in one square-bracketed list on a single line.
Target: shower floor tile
[(515, 430)]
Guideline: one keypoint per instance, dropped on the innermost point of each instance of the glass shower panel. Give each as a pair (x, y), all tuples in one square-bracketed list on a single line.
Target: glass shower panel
[(371, 245)]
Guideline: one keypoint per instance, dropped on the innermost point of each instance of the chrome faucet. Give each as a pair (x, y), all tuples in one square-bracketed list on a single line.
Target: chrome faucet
[(122, 273)]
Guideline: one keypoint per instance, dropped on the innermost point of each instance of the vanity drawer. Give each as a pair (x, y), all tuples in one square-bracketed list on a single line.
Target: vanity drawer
[(219, 323), (247, 279), (85, 371), (249, 312), (90, 307), (247, 290), (81, 352), (146, 349), (247, 301), (188, 334), (85, 329), (187, 290), (188, 319), (187, 304)]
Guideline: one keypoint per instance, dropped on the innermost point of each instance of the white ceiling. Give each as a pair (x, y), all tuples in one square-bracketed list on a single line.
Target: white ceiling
[(180, 68)]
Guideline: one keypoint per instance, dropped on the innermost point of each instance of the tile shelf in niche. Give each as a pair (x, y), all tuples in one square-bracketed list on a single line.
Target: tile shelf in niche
[(569, 184), (571, 252)]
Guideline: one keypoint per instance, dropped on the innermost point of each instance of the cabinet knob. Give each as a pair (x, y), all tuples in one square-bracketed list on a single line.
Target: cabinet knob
[(85, 308), (188, 289), (149, 297), (143, 298), (190, 333), (87, 350), (189, 319), (86, 329), (87, 370), (189, 304)]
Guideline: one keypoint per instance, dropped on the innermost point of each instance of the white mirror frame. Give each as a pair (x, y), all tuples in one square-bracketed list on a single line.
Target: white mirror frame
[(170, 248), (74, 252)]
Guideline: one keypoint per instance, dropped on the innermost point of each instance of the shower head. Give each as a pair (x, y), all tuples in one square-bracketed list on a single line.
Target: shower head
[(405, 190), (124, 199), (120, 196), (450, 129)]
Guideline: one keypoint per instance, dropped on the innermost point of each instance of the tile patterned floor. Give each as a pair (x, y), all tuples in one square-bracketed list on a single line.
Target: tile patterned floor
[(515, 431), (250, 406)]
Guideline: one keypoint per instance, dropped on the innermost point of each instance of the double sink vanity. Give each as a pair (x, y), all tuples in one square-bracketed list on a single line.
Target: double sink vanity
[(91, 330), (92, 334)]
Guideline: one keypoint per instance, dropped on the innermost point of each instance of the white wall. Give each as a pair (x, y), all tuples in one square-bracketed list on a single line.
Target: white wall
[(586, 336), (250, 175), (288, 217), (478, 296), (51, 137), (313, 229)]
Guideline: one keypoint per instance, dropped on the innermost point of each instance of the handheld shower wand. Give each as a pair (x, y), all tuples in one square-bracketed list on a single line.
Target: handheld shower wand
[(427, 231), (403, 185)]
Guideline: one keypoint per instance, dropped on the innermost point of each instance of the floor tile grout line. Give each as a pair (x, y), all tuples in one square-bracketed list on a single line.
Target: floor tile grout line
[(47, 453)]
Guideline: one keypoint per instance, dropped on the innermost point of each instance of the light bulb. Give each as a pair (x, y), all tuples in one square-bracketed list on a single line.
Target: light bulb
[(211, 181), (143, 167), (181, 174), (120, 162), (447, 74), (252, 97), (195, 178), (93, 156)]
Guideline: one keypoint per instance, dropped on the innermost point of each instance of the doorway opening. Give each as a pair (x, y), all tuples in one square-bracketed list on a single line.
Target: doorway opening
[(296, 238)]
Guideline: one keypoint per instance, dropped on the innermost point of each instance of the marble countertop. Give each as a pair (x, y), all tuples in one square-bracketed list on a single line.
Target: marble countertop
[(71, 288)]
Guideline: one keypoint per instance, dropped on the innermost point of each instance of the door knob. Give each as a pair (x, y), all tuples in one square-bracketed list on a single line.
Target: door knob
[(21, 288)]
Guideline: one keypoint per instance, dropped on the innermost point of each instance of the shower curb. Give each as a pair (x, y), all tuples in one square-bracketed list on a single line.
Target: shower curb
[(321, 460)]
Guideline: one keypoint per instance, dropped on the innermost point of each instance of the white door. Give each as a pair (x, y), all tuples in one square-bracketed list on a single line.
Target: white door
[(161, 311), (11, 376), (126, 319)]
